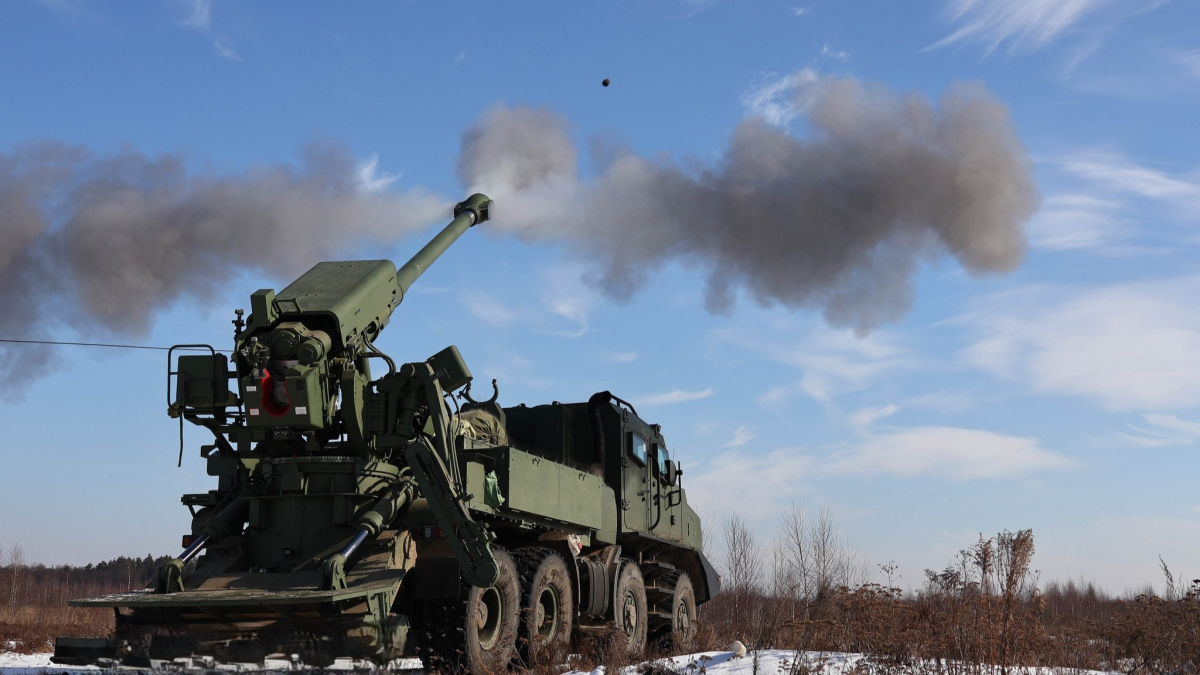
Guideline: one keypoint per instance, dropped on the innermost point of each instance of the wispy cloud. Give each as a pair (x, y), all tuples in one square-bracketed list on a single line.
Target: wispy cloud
[(828, 52), (1128, 347), (223, 47), (960, 454), (776, 397), (775, 99), (562, 310), (370, 180), (741, 436), (802, 11), (1105, 197), (1021, 23), (762, 483), (488, 309), (462, 56), (673, 396), (574, 310), (1115, 172), (833, 362), (862, 420), (767, 482), (1160, 430), (567, 299), (199, 15), (1075, 221)]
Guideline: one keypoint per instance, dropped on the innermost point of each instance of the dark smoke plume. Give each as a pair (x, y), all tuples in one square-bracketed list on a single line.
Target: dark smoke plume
[(101, 244), (837, 219)]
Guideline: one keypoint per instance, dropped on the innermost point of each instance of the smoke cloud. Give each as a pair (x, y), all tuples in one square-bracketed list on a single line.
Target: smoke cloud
[(839, 218), (102, 243)]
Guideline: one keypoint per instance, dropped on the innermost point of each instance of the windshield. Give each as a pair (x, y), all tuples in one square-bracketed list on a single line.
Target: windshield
[(637, 447)]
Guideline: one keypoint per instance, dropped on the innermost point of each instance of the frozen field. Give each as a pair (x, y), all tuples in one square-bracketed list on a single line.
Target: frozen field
[(774, 662), (770, 662)]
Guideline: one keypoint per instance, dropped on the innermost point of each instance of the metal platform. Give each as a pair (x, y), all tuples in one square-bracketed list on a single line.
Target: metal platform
[(252, 590)]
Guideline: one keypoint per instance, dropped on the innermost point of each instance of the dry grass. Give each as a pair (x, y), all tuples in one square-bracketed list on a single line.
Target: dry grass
[(33, 599), (983, 612)]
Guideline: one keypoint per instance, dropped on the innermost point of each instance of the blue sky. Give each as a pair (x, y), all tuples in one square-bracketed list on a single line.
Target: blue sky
[(1064, 396)]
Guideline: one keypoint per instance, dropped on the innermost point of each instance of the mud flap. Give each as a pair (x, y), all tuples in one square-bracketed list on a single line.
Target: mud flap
[(712, 580)]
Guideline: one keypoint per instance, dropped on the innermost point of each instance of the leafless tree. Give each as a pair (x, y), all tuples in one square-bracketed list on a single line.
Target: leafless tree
[(16, 563), (743, 566)]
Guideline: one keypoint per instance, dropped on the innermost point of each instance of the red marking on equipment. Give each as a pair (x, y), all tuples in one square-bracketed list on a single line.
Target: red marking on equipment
[(272, 409)]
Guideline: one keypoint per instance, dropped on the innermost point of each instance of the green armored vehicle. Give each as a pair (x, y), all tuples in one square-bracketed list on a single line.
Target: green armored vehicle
[(364, 513)]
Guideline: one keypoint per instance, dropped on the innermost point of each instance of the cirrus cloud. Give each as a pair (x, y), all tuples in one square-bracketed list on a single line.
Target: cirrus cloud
[(951, 452), (673, 396), (1128, 347)]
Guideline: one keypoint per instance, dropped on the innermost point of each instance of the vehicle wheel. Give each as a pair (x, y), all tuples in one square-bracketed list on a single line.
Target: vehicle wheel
[(672, 607), (683, 611), (629, 609), (492, 617), (547, 605), (477, 632)]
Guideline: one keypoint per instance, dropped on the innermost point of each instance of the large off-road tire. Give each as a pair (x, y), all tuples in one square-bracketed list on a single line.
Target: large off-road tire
[(547, 604), (672, 606), (683, 610), (630, 611), (476, 633)]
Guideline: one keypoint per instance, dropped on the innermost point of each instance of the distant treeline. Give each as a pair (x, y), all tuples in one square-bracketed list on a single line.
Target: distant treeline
[(130, 572), (25, 583), (33, 597)]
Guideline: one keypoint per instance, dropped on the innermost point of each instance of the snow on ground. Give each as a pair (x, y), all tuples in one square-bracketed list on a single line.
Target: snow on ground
[(37, 664), (29, 664), (788, 662), (770, 662)]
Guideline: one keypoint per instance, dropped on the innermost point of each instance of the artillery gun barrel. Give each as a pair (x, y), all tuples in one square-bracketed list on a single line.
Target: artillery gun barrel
[(466, 214)]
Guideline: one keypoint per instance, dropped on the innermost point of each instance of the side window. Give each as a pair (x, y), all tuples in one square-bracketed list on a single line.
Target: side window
[(661, 456), (637, 446)]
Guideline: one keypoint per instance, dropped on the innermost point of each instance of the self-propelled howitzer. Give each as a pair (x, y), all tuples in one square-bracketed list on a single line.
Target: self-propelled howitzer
[(368, 516)]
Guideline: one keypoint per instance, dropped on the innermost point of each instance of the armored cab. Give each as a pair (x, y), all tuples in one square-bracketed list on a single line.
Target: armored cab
[(369, 516)]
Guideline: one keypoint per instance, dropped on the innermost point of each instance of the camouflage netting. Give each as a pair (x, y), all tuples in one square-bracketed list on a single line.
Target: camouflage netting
[(482, 426)]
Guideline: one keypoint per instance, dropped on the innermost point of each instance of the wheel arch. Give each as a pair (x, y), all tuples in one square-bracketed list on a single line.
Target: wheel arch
[(705, 580)]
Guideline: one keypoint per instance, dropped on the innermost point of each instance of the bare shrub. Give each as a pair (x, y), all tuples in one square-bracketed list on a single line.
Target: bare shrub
[(984, 612), (805, 590), (769, 590), (602, 649)]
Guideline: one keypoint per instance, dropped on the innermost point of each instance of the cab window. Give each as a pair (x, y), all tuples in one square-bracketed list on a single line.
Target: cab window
[(637, 447), (661, 456)]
